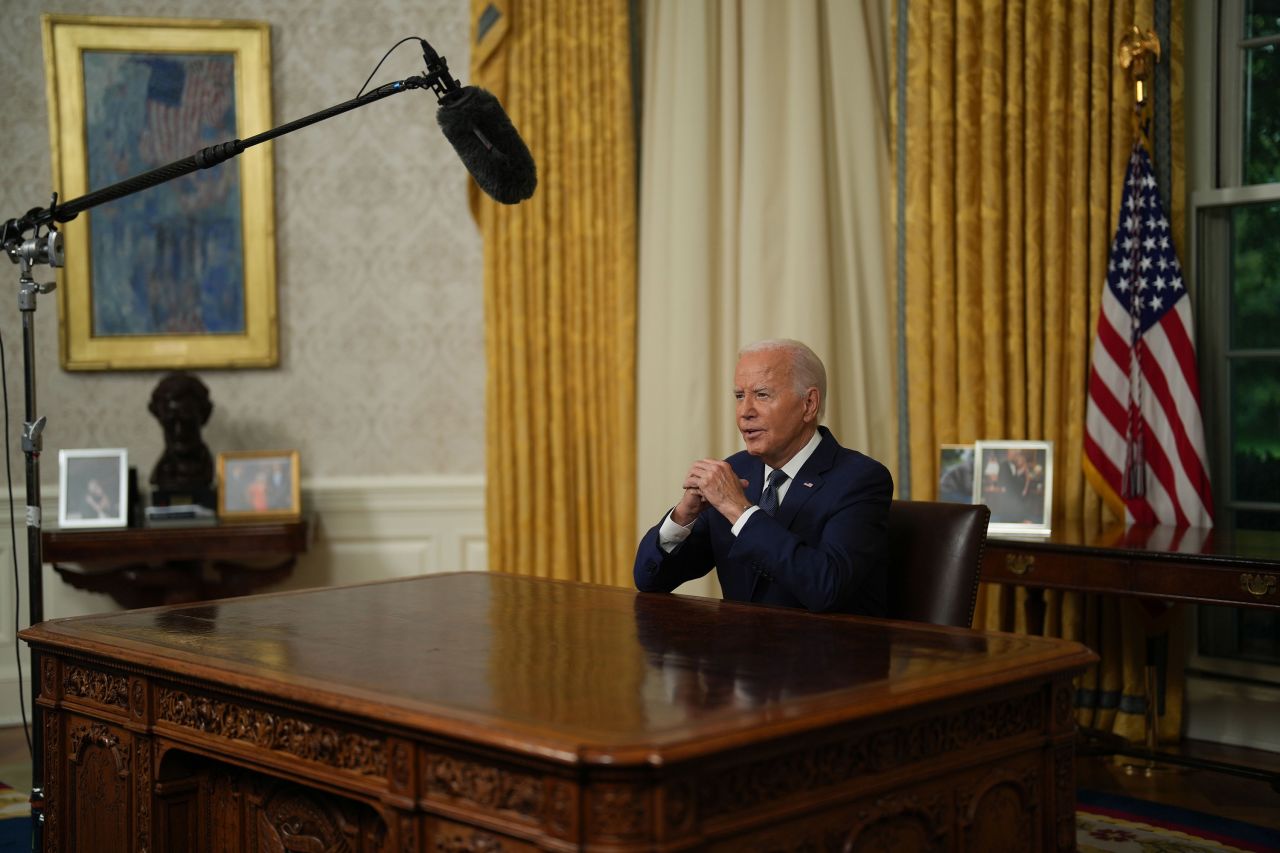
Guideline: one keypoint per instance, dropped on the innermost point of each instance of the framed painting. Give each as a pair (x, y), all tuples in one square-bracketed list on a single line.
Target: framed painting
[(1015, 480), (180, 275), (259, 485)]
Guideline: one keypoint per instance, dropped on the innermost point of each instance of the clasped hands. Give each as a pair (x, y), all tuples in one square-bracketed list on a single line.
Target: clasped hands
[(711, 482)]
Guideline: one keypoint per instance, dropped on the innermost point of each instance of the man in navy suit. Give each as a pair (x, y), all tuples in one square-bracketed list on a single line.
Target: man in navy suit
[(795, 519)]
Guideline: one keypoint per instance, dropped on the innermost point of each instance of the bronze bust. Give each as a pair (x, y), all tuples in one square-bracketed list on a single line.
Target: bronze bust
[(181, 403)]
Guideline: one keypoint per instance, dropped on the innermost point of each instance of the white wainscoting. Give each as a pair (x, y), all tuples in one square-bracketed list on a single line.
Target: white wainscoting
[(362, 529)]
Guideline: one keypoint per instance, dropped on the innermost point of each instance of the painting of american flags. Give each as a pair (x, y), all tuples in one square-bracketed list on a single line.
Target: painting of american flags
[(182, 274), (1144, 436), (167, 260)]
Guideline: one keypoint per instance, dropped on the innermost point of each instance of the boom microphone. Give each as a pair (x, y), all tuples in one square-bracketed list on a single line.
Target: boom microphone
[(487, 143), (472, 120)]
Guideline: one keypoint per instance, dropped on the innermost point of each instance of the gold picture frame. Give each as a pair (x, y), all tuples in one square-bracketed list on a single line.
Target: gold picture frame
[(259, 485), (143, 288)]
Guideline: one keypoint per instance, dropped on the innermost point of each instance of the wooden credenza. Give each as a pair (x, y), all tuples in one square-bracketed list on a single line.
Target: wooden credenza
[(149, 566), (1196, 565), (499, 713)]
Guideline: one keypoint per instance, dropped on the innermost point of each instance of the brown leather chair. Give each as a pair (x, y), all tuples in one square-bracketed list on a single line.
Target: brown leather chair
[(935, 558)]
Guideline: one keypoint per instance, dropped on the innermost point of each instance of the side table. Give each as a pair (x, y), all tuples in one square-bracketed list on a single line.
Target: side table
[(147, 566)]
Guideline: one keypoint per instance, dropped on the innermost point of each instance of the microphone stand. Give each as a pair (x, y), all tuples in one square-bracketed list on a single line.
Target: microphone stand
[(44, 246)]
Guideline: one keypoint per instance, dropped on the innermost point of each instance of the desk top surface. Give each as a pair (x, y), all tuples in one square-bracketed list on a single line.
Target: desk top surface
[(1209, 546), (568, 671)]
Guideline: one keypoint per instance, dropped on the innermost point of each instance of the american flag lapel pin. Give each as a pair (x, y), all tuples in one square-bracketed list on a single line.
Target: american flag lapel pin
[(808, 485)]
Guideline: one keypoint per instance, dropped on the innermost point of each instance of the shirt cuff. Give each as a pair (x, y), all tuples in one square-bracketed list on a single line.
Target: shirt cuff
[(742, 519), (671, 534)]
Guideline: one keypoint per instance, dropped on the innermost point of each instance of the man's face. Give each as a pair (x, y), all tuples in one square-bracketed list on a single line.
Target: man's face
[(774, 420)]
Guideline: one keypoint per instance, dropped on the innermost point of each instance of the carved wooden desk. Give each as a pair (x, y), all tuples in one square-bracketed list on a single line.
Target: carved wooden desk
[(1198, 565), (494, 712), (143, 567)]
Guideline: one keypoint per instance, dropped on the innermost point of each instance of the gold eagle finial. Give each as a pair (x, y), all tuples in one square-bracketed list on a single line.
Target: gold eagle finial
[(1137, 53)]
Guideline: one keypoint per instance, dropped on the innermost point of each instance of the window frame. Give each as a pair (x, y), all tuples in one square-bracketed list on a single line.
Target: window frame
[(1215, 160)]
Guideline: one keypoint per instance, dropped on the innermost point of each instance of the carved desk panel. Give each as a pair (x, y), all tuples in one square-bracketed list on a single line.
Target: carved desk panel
[(494, 712)]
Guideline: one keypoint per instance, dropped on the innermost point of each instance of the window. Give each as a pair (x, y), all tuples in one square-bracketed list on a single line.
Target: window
[(1233, 149), (1236, 225)]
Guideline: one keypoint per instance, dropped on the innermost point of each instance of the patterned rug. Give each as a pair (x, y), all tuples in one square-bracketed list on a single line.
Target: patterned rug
[(15, 820), (1109, 823), (13, 803)]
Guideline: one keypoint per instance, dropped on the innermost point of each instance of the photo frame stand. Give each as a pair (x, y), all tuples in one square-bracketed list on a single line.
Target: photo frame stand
[(33, 240)]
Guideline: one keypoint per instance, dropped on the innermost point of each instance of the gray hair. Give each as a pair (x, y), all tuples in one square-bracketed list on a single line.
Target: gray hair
[(806, 368)]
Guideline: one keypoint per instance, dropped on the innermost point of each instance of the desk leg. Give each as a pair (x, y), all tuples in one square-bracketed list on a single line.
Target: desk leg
[(1061, 781), (1034, 609)]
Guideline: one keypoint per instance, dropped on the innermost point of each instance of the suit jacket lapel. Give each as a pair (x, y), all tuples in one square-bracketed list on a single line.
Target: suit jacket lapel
[(808, 481)]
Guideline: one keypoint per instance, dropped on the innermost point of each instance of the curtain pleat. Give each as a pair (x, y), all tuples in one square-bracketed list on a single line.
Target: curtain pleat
[(559, 284), (1018, 128)]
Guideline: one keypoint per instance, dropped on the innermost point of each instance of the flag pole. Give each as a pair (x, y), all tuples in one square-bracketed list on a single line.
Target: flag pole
[(1137, 54)]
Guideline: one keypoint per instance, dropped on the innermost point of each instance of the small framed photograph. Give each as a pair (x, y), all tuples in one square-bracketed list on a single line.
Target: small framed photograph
[(955, 473), (1015, 479), (259, 485), (93, 488)]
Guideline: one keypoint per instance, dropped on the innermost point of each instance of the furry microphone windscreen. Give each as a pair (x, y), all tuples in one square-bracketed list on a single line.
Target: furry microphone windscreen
[(478, 128)]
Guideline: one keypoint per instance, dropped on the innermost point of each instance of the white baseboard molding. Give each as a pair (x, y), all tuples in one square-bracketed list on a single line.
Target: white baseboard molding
[(363, 529)]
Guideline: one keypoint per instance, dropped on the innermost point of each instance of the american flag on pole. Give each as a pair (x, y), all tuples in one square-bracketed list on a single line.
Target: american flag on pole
[(1144, 438)]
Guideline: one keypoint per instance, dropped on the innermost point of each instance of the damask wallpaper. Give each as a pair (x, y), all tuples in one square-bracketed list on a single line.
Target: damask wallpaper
[(378, 261)]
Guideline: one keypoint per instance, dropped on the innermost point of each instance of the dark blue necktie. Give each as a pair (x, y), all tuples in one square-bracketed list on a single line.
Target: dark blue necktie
[(769, 497)]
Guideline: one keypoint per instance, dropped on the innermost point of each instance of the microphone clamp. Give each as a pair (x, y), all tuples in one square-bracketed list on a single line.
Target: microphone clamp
[(438, 77)]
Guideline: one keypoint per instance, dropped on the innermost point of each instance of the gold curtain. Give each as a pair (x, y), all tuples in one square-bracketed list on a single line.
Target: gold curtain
[(1018, 129), (559, 292)]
